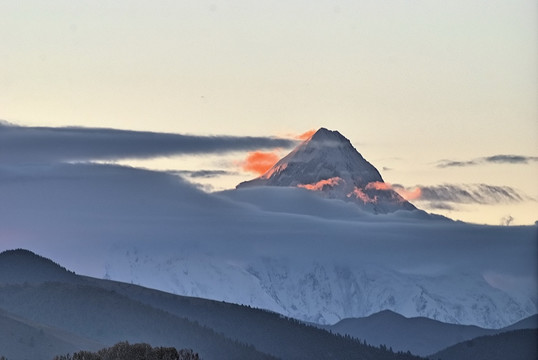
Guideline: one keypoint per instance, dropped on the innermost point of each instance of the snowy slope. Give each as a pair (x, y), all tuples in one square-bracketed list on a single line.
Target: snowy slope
[(328, 164), (326, 292)]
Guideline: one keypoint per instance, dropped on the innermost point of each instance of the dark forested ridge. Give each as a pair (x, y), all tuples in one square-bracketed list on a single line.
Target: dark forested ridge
[(267, 331), (108, 317), (511, 345), (107, 312), (37, 341), (422, 336), (23, 266)]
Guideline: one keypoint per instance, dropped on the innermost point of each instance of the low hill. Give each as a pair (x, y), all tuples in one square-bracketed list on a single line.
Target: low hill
[(511, 345), (23, 266), (36, 341), (108, 318), (421, 336)]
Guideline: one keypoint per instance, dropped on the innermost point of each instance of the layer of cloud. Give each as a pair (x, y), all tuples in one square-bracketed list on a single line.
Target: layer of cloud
[(435, 205), (439, 196), (411, 194), (495, 159), (483, 194), (158, 230), (407, 194), (50, 144), (206, 174)]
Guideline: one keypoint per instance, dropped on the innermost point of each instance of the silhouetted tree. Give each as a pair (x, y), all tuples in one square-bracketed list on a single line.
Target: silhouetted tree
[(126, 351)]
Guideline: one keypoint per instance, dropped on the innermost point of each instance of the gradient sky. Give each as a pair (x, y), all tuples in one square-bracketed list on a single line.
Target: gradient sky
[(412, 84)]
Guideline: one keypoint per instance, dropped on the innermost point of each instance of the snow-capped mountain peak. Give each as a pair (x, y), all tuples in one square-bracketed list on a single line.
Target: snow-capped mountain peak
[(328, 163)]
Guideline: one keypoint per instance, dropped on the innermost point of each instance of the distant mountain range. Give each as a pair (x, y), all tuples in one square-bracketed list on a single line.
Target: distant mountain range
[(46, 310)]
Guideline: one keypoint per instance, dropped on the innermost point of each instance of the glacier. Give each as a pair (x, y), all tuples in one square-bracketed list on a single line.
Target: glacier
[(323, 291)]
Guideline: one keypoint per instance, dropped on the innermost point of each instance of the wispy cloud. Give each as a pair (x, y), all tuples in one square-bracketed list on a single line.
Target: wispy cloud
[(49, 144), (495, 159), (207, 174), (440, 206), (440, 195)]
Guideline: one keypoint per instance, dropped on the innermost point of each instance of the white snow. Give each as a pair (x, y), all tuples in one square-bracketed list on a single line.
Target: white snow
[(325, 291)]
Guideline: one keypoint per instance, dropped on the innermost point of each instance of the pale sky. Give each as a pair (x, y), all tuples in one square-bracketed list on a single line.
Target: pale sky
[(410, 83)]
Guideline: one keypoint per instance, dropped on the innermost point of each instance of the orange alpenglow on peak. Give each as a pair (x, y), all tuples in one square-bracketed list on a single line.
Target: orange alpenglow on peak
[(306, 135), (259, 162), (328, 164)]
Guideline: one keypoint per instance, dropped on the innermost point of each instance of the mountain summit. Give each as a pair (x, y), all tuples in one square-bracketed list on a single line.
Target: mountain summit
[(328, 164)]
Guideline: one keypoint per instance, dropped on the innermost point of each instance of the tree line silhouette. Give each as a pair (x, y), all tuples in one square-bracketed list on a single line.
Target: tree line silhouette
[(126, 351)]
